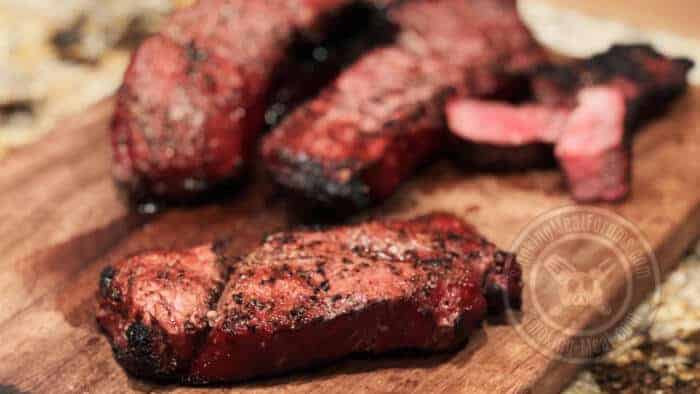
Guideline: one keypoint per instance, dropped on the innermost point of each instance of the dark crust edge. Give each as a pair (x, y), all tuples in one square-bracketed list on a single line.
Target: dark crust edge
[(308, 177), (141, 357), (502, 158)]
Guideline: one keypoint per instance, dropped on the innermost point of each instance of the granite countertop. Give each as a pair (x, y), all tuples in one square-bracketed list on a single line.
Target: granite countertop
[(58, 60), (664, 355)]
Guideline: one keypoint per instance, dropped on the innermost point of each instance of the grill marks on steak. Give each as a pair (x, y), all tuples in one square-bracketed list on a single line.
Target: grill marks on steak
[(383, 116), (194, 96), (308, 297), (586, 109)]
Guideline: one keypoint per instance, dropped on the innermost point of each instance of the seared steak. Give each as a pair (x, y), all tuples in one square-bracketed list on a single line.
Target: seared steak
[(382, 117), (587, 109), (195, 95), (304, 298)]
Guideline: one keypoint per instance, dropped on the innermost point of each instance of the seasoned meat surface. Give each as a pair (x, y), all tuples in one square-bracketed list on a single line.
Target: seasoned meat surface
[(311, 296), (194, 97), (383, 116)]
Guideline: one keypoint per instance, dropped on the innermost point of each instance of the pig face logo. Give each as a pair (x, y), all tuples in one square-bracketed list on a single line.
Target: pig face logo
[(578, 288), (583, 267)]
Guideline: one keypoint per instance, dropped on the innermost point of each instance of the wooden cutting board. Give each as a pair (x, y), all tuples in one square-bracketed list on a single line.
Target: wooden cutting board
[(62, 222)]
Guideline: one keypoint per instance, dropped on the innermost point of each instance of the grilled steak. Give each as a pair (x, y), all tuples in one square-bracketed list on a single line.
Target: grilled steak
[(587, 109), (383, 116), (194, 97), (304, 298)]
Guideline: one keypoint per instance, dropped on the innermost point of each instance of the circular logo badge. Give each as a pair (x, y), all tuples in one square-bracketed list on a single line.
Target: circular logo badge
[(584, 269)]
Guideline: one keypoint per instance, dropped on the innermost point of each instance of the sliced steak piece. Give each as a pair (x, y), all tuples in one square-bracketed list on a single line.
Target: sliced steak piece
[(500, 136), (588, 141), (154, 307), (587, 109), (195, 95), (320, 152), (309, 297), (592, 149), (383, 117), (631, 84)]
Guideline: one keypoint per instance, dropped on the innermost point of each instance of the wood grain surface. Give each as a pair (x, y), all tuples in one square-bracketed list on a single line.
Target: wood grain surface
[(62, 222)]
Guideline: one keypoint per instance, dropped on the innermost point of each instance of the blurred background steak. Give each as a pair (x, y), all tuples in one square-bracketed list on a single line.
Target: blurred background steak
[(382, 117), (304, 298), (587, 109), (194, 97)]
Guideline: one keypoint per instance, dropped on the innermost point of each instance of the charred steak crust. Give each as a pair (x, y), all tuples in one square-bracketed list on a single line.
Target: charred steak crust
[(646, 73), (194, 96), (305, 298), (383, 116), (154, 308), (500, 159), (372, 163), (647, 79), (313, 62)]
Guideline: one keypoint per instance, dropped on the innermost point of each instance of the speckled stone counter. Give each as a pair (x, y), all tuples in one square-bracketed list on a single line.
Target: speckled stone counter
[(664, 355), (57, 58)]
